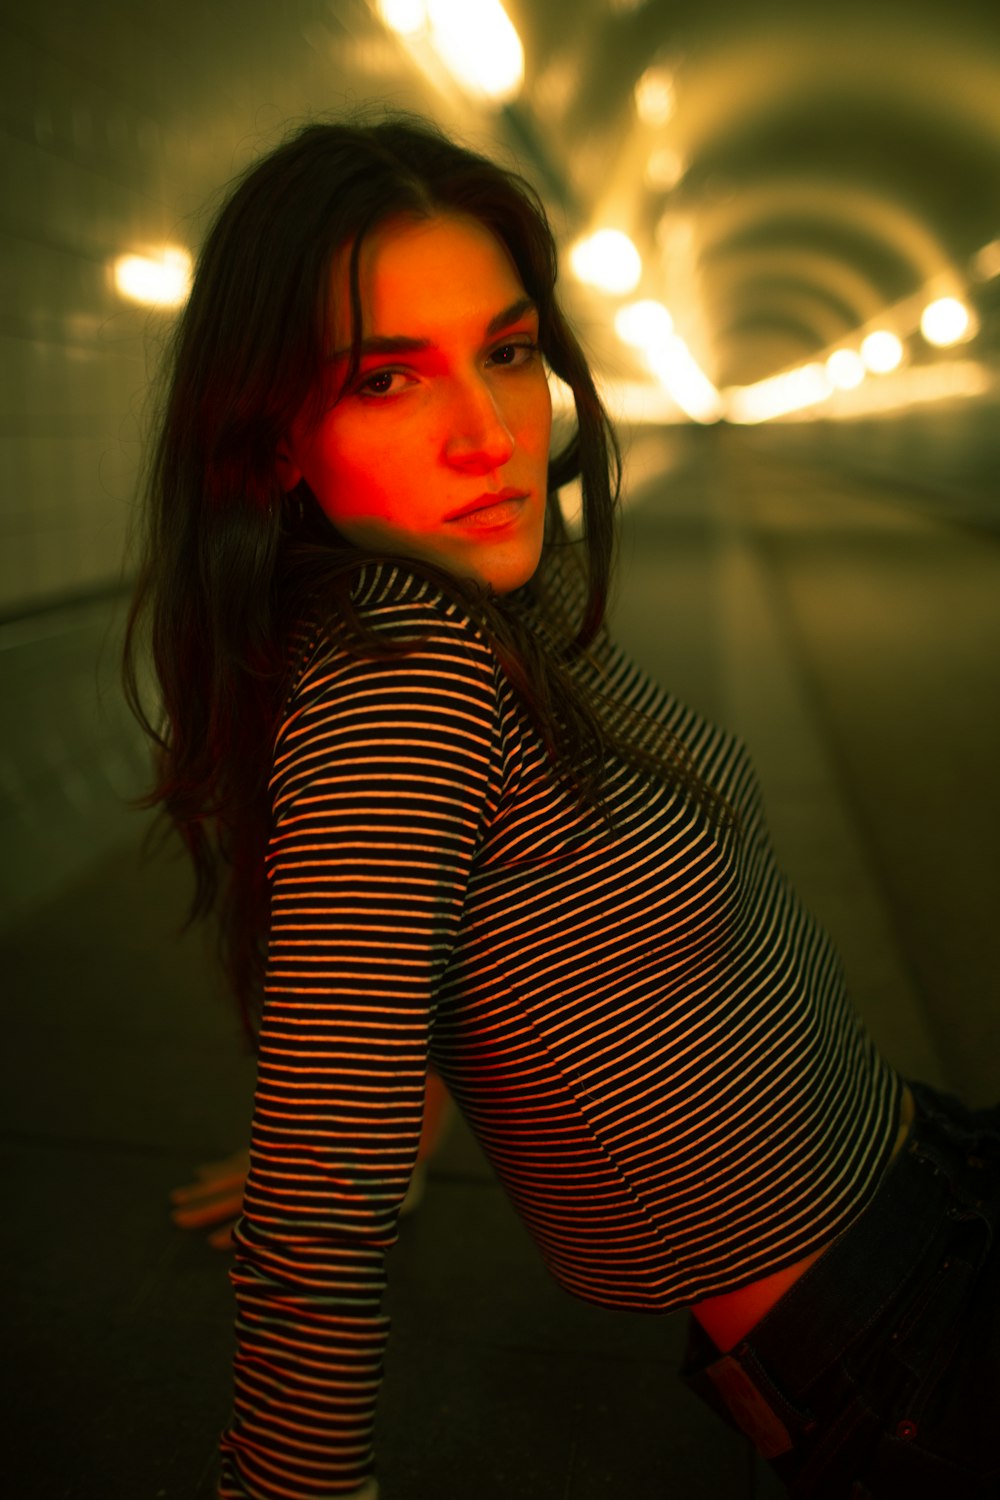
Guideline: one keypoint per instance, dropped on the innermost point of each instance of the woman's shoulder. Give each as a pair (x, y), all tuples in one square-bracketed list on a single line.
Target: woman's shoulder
[(386, 607)]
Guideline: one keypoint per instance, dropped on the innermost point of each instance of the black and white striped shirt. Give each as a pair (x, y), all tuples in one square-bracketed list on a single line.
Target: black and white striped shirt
[(649, 1036)]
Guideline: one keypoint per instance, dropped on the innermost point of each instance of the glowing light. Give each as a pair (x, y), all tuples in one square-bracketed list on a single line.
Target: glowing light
[(664, 169), (845, 369), (781, 394), (917, 385), (477, 42), (793, 393), (986, 262), (676, 368), (643, 325), (405, 17), (882, 351), (607, 260), (944, 322), (654, 96), (162, 280)]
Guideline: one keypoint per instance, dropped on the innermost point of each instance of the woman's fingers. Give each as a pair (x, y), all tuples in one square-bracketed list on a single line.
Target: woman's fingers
[(214, 1211), (210, 1188), (230, 1166)]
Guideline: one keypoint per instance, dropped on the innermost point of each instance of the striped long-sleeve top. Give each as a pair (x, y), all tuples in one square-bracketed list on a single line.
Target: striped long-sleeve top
[(648, 1035)]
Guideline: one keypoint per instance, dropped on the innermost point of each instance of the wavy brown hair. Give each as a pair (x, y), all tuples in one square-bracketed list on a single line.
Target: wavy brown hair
[(228, 564)]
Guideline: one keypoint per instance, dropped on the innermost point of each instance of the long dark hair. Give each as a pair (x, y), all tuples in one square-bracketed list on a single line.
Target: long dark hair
[(229, 564)]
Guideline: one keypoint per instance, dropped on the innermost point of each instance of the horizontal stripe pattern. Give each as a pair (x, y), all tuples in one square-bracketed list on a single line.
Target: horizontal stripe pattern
[(649, 1036)]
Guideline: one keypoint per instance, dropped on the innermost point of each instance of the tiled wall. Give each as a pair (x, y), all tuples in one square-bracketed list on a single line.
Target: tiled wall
[(71, 757), (118, 119)]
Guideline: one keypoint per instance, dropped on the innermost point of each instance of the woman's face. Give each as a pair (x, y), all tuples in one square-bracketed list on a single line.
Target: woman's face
[(439, 448)]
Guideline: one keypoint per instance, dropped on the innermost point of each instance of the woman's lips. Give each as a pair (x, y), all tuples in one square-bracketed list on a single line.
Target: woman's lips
[(488, 517)]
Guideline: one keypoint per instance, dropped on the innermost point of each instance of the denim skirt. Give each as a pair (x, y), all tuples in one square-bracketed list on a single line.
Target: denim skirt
[(878, 1373)]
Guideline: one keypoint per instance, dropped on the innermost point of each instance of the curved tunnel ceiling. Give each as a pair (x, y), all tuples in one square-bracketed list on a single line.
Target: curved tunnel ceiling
[(817, 167), (825, 162)]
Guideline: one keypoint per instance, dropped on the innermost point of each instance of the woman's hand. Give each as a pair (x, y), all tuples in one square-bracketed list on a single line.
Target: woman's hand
[(215, 1200)]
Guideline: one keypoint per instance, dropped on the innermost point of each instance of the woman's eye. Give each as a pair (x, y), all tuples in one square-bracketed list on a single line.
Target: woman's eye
[(508, 355), (382, 383)]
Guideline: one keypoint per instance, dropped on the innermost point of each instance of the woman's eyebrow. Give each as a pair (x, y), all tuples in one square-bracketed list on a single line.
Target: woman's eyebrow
[(401, 343), (511, 314)]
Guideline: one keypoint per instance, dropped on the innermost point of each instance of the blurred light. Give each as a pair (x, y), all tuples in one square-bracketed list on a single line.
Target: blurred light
[(664, 169), (944, 322), (882, 351), (643, 324), (845, 369), (654, 96), (916, 385), (607, 260), (405, 17), (791, 394), (477, 42), (638, 402), (674, 232), (779, 395), (675, 367), (986, 262), (162, 280)]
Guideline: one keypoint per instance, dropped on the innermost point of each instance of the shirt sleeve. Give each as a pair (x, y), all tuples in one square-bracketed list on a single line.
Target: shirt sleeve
[(385, 776)]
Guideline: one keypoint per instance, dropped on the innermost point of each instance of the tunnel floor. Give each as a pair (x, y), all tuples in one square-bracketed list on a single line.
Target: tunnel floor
[(851, 637)]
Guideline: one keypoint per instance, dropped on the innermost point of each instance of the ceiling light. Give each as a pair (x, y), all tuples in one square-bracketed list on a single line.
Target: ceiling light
[(607, 260), (654, 96), (643, 325), (664, 169), (676, 368), (882, 351), (779, 395), (161, 280), (477, 42), (405, 17), (944, 322), (986, 262), (845, 369)]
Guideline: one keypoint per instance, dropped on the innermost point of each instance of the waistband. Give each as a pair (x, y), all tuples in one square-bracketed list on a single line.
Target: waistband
[(842, 1295)]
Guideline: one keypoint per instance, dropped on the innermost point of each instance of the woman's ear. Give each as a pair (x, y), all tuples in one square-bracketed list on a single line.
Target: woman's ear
[(288, 472)]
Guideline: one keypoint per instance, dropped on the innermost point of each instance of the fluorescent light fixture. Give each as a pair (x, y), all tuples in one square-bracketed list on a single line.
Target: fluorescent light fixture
[(474, 39), (882, 351), (986, 262), (779, 395), (607, 260), (845, 369), (945, 322), (664, 169), (159, 280), (404, 17), (676, 368), (644, 324), (654, 96)]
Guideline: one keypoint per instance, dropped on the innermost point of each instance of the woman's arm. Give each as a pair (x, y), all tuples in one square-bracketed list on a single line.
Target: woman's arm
[(214, 1201), (383, 776)]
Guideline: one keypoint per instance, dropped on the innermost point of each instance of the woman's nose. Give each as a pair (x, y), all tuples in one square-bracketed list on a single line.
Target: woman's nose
[(478, 438)]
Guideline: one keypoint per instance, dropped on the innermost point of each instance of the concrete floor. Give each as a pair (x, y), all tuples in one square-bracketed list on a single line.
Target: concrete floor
[(852, 639)]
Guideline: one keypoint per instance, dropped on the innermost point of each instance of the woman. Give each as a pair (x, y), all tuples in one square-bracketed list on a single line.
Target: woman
[(445, 822)]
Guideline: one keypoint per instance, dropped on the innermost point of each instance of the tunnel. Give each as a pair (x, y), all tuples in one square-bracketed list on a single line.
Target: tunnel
[(778, 230)]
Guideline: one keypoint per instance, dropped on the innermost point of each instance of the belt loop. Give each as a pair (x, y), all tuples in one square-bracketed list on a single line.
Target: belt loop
[(749, 1408)]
